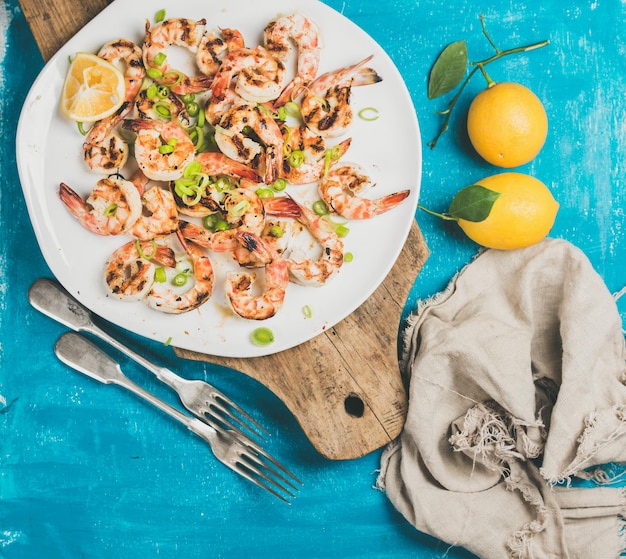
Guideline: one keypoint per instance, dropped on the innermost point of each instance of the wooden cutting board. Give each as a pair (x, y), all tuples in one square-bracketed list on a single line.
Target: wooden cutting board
[(344, 386)]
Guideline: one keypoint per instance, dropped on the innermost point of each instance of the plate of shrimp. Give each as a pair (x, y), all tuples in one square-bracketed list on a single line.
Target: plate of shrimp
[(263, 172)]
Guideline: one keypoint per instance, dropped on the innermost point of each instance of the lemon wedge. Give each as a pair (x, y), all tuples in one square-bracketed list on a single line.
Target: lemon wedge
[(94, 88)]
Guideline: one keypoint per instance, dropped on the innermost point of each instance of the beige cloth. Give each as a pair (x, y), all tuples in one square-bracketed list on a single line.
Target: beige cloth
[(516, 379)]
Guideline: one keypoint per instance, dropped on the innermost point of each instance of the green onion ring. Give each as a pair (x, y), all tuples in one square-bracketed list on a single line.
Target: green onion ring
[(368, 113), (180, 279), (320, 207), (296, 158), (159, 275), (142, 253), (175, 74), (262, 336), (154, 73), (160, 58), (110, 210)]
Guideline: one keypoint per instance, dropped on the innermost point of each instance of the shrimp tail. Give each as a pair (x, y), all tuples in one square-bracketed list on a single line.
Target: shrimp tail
[(390, 201), (73, 202), (282, 206)]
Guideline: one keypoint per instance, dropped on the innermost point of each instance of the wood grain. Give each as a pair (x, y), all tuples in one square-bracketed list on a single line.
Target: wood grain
[(344, 386)]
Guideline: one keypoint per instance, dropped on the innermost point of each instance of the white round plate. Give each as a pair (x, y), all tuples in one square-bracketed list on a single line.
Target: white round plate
[(389, 149)]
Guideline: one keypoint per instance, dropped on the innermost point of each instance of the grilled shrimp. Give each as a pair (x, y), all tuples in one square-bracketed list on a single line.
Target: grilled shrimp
[(242, 209), (326, 106), (311, 272), (162, 149), (129, 272), (340, 189), (259, 76), (239, 284), (104, 151), (175, 32), (314, 155), (232, 139), (162, 297), (112, 208), (213, 48), (278, 35), (159, 217)]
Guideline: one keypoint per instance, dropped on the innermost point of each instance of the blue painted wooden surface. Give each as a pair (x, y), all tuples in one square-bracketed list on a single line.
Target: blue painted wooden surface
[(89, 471)]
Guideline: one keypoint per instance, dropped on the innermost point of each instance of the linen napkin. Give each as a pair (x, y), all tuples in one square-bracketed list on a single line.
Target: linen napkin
[(517, 383)]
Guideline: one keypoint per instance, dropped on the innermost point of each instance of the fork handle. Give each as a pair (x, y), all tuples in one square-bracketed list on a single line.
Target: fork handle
[(83, 356), (162, 373)]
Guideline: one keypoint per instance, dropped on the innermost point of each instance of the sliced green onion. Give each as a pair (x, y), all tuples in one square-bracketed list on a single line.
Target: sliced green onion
[(292, 109), (368, 113), (262, 336), (184, 187), (152, 91), (276, 231), (210, 221), (321, 101), (160, 275), (282, 113), (189, 201), (163, 109), (330, 155), (163, 91), (191, 169), (179, 279), (196, 134), (279, 185), (265, 192), (192, 108), (154, 73), (142, 253), (306, 311), (239, 209), (175, 74), (296, 158), (201, 117), (160, 58), (166, 149), (341, 230), (159, 16), (110, 210), (168, 341), (348, 257), (222, 184), (81, 128), (320, 207)]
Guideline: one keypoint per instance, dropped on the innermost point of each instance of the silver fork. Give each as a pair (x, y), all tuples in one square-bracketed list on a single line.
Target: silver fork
[(201, 398), (241, 455)]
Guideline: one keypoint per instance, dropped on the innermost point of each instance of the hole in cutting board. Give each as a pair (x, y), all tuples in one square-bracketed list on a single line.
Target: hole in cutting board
[(354, 405)]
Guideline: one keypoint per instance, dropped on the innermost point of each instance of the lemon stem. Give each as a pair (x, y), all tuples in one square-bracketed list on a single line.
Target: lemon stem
[(480, 65), (443, 215)]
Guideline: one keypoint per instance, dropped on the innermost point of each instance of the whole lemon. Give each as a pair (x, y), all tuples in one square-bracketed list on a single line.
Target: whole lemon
[(507, 124), (521, 215)]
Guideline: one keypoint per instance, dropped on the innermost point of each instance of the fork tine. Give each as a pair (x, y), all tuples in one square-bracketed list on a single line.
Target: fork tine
[(255, 467), (253, 461), (231, 420), (244, 471), (239, 410), (247, 441)]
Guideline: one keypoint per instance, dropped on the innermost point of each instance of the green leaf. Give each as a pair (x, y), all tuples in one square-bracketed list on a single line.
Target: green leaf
[(448, 70), (473, 203)]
